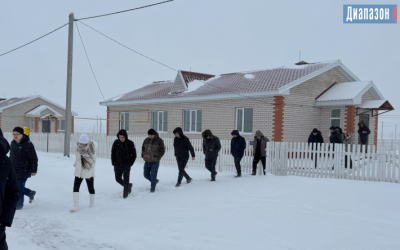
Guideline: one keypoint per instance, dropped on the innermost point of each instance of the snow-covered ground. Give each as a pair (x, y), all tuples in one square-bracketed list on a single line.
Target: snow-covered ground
[(261, 212)]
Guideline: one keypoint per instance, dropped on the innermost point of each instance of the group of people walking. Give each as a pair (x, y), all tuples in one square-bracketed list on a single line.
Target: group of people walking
[(23, 162)]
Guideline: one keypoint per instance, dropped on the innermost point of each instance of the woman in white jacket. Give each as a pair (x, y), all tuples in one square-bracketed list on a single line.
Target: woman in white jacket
[(84, 169)]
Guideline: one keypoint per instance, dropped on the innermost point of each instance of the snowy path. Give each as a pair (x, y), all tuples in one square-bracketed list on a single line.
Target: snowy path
[(262, 212)]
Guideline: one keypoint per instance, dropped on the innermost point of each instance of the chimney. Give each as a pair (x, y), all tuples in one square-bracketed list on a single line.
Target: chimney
[(301, 63)]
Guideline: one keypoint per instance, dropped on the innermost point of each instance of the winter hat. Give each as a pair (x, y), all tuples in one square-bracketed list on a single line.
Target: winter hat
[(84, 139), (19, 130), (151, 132), (315, 130), (332, 128)]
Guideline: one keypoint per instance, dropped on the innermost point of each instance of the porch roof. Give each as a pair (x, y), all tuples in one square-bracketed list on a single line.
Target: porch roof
[(40, 109)]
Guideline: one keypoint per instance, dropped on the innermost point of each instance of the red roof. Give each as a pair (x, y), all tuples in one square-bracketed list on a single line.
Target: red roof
[(241, 82)]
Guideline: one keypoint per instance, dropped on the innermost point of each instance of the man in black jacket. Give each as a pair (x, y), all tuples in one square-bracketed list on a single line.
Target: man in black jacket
[(315, 137), (211, 148), (9, 191), (25, 162), (336, 136), (182, 148), (363, 132), (238, 145), (123, 156)]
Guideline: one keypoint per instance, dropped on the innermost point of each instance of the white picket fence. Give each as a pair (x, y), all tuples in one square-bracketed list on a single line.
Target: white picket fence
[(283, 158)]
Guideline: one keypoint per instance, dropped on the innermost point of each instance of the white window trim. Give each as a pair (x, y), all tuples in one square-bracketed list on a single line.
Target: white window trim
[(59, 125), (334, 118), (123, 121), (190, 122), (236, 120), (158, 122)]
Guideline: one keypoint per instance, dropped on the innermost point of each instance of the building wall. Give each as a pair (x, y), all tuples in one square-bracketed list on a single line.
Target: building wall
[(301, 115), (15, 116), (218, 115)]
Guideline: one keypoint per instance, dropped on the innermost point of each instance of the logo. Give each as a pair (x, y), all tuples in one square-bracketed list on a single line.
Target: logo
[(378, 13)]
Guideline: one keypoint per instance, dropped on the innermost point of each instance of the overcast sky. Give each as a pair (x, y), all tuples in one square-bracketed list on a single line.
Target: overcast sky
[(209, 36)]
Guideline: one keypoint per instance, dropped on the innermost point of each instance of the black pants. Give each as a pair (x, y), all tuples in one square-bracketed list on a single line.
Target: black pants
[(89, 182), (181, 167), (316, 158), (237, 164), (125, 172), (256, 160), (3, 243), (345, 162), (210, 165)]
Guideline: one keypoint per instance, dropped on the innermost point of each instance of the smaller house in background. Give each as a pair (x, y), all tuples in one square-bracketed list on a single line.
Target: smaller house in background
[(37, 113)]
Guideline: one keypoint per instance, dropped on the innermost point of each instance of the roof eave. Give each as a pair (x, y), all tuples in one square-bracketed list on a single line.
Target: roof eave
[(347, 102), (197, 98)]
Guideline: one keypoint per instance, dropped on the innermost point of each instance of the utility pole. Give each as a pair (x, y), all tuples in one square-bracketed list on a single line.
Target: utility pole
[(67, 140)]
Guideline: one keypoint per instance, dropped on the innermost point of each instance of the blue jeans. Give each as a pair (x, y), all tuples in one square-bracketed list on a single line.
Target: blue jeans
[(150, 171), (23, 191)]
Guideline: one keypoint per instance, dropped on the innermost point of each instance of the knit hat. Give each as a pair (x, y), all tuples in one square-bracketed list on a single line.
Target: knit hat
[(83, 139), (332, 128), (19, 130), (151, 132), (315, 130)]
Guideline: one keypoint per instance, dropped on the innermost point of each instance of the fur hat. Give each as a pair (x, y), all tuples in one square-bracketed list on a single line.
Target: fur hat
[(19, 130), (315, 130), (84, 139)]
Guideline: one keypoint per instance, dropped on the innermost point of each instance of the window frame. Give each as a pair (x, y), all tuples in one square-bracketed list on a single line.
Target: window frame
[(335, 118), (158, 112), (59, 123), (190, 131), (123, 122), (243, 120)]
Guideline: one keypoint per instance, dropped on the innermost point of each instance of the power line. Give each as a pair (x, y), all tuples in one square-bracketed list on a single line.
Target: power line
[(33, 40), (232, 92), (128, 47), (118, 12), (87, 56)]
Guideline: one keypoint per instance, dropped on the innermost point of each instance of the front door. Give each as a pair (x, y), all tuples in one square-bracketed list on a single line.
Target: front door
[(365, 118), (46, 126)]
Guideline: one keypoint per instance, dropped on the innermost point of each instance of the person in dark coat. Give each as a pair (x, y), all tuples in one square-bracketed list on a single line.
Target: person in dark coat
[(336, 136), (315, 137), (211, 148), (152, 150), (363, 132), (259, 151), (9, 191), (123, 156), (182, 148), (238, 145), (25, 162)]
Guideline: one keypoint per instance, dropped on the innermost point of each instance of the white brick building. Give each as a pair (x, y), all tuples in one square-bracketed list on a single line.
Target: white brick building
[(35, 112), (285, 103)]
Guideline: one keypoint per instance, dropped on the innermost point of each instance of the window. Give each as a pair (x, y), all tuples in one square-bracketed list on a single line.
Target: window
[(124, 121), (61, 125), (244, 120), (335, 117), (160, 121), (192, 120)]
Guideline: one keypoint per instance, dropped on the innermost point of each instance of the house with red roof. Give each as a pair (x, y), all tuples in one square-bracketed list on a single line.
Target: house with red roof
[(285, 103), (37, 113)]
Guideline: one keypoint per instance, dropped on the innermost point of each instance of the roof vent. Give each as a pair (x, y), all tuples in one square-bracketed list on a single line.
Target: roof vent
[(301, 63)]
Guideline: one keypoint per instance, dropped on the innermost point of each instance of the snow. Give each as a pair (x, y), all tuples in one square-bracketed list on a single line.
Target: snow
[(294, 66), (194, 85), (253, 212), (249, 76)]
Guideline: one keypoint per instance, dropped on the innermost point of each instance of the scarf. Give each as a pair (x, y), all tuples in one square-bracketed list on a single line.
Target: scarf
[(87, 155)]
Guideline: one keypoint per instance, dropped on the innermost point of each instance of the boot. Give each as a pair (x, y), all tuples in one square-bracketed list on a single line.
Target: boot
[(76, 202), (126, 191), (189, 181), (130, 188), (32, 197), (238, 175), (254, 173), (265, 172), (178, 184), (91, 201)]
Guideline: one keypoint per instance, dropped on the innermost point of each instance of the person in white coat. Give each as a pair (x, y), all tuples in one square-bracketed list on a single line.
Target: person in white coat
[(84, 169)]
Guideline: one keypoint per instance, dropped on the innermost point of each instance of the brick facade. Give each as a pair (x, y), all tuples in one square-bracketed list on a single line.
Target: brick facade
[(350, 120), (36, 125), (108, 121), (277, 131)]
